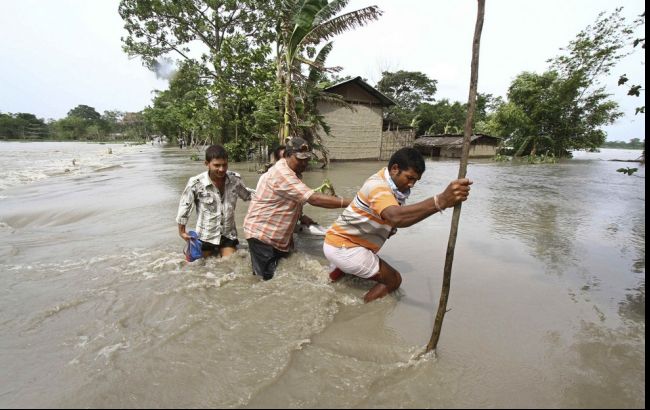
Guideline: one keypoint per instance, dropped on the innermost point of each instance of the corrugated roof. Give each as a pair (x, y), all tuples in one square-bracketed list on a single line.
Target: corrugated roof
[(367, 87)]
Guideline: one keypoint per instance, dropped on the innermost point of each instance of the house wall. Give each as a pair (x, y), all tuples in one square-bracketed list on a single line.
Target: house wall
[(481, 150), (450, 152), (355, 134), (475, 151), (393, 140), (428, 151)]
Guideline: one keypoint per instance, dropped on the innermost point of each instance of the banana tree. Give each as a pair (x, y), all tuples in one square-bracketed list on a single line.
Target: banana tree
[(304, 24), (310, 124)]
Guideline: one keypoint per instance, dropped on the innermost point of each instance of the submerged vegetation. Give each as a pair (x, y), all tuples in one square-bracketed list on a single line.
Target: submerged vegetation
[(627, 170)]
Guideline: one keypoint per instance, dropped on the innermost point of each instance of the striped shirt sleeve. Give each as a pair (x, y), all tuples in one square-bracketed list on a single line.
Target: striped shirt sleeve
[(289, 186), (381, 198)]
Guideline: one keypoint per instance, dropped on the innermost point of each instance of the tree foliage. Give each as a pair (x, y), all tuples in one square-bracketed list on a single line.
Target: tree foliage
[(22, 125), (408, 89), (565, 108), (446, 117), (181, 110), (225, 42), (193, 30), (548, 113), (311, 124), (84, 112), (240, 90), (635, 89), (82, 123), (302, 26), (634, 143)]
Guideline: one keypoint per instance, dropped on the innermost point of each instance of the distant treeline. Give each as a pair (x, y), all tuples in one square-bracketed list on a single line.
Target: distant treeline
[(635, 143), (82, 123)]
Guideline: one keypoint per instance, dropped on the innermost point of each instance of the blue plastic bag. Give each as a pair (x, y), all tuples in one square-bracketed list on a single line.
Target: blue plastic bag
[(192, 250)]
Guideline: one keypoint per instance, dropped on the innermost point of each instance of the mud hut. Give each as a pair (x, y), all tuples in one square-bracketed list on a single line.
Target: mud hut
[(358, 134), (451, 145)]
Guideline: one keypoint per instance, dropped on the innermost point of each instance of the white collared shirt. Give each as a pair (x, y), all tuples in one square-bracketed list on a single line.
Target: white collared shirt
[(215, 214)]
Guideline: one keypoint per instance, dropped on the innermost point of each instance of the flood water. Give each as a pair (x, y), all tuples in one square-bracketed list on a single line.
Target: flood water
[(98, 307)]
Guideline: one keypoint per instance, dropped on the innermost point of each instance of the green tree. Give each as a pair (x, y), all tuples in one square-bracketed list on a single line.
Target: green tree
[(84, 112), (634, 143), (311, 124), (184, 109), (550, 114), (635, 89), (22, 125), (216, 37), (94, 127), (251, 77), (302, 26), (8, 127), (434, 118), (408, 89), (70, 128), (134, 126), (565, 107), (170, 27), (445, 117), (113, 120)]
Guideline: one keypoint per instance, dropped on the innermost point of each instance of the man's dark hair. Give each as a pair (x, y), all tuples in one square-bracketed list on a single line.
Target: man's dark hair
[(276, 153), (406, 158), (215, 152)]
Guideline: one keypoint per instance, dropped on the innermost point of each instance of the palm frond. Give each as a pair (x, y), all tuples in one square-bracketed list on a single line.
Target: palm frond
[(304, 21), (329, 11), (323, 53), (316, 71), (308, 62), (340, 24)]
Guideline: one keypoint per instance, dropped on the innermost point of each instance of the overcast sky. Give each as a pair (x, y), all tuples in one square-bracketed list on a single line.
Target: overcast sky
[(57, 54)]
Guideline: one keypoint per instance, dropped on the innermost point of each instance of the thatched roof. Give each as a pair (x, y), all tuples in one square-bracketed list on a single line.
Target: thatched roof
[(447, 140)]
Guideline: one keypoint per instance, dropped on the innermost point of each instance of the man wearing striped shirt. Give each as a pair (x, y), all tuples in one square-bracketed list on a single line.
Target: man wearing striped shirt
[(276, 207), (379, 208)]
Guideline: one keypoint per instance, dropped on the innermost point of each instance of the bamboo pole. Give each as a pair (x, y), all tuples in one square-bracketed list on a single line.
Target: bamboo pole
[(451, 244)]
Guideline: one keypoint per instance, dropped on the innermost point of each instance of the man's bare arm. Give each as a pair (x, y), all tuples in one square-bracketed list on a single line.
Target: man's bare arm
[(402, 216)]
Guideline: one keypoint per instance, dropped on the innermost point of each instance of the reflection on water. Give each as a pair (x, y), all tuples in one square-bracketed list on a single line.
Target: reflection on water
[(99, 308), (535, 212), (612, 354), (633, 307)]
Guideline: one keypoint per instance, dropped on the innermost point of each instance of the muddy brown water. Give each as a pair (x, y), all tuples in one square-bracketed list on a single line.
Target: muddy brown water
[(99, 309)]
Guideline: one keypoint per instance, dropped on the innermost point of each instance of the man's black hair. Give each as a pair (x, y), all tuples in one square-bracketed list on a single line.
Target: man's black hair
[(276, 153), (406, 158), (215, 152)]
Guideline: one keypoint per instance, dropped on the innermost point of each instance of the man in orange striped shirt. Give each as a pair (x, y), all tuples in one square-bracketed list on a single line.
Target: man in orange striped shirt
[(352, 242), (277, 205)]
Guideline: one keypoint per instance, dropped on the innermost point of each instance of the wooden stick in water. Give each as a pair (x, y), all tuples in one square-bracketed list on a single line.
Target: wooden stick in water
[(451, 244)]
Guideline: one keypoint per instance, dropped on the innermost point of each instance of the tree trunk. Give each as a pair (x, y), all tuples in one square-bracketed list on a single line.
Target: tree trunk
[(287, 99), (237, 124), (471, 106)]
